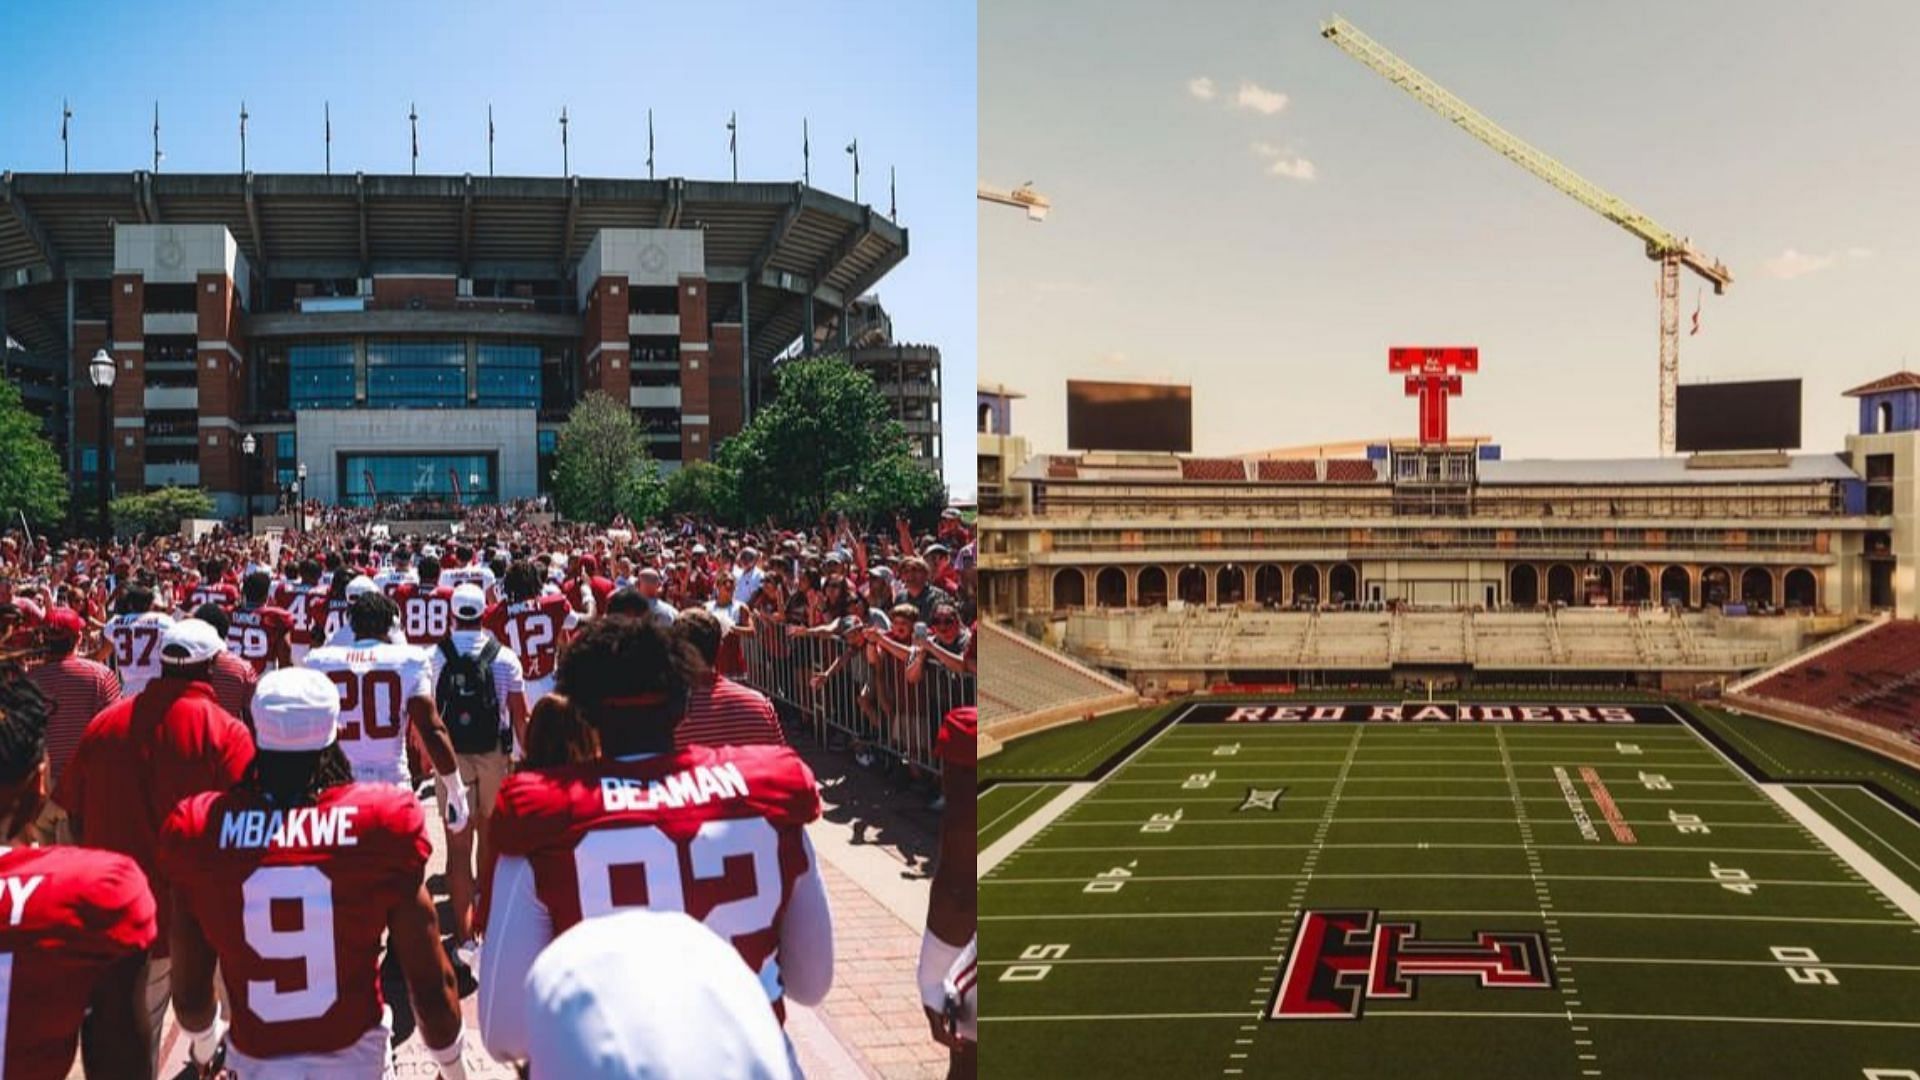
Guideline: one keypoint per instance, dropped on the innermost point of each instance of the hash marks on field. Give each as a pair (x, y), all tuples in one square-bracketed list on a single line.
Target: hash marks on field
[(1210, 890)]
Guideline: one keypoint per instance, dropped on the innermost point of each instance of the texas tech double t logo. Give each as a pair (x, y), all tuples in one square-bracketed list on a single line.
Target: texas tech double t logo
[(1339, 959)]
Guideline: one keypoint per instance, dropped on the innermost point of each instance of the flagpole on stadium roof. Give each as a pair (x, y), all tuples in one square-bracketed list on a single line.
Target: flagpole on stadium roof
[(649, 144), (243, 135), (328, 108), (806, 153), (854, 149), (66, 114), (566, 166), (733, 143), (413, 122), (489, 138)]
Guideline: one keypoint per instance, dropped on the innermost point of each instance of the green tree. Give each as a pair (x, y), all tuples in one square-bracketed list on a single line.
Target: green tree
[(158, 513), (32, 481), (602, 465), (704, 489), (825, 442)]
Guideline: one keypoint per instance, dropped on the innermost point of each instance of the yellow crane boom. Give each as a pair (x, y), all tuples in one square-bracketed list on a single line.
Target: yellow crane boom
[(1035, 204), (1670, 250)]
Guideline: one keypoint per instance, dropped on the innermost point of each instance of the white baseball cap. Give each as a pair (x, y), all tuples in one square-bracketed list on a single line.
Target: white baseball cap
[(295, 709), (361, 586), (469, 602), (190, 641), (588, 1015)]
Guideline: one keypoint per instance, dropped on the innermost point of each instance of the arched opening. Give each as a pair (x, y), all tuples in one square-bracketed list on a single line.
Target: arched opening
[(1560, 584), (1151, 588), (1884, 414), (986, 419), (1193, 585), (1676, 587), (1803, 589), (1636, 585), (1523, 586), (1230, 585), (1756, 587), (1069, 589), (1268, 583), (1110, 588), (1306, 585), (1597, 589), (1343, 583), (1716, 586)]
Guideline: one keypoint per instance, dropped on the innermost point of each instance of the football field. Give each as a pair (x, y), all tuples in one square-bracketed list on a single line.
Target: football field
[(1564, 891)]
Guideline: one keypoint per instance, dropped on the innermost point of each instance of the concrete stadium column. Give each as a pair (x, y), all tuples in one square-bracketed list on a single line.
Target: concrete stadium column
[(696, 369), (725, 381), (604, 341), (219, 378), (128, 336)]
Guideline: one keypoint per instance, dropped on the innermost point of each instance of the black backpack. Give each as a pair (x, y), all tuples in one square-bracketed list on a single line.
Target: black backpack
[(469, 703)]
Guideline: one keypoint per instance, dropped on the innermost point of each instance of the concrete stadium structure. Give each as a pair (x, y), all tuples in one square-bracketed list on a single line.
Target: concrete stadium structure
[(417, 336), (1424, 560)]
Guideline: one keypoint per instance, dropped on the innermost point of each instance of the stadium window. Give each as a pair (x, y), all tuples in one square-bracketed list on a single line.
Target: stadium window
[(320, 376), (416, 375), (508, 376)]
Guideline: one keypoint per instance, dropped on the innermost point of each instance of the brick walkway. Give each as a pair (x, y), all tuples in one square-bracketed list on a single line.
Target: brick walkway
[(875, 845)]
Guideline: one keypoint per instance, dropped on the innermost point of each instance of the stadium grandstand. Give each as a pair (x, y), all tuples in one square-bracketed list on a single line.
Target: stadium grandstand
[(1034, 687), (1863, 686), (1423, 562)]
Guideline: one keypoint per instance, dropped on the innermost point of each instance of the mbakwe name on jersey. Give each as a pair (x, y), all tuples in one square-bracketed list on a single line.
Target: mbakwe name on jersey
[(693, 787), (302, 826)]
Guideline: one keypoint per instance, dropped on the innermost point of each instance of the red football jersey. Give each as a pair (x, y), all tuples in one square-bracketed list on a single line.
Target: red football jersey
[(531, 628), (223, 593), (295, 903), (426, 616), (324, 616), (959, 741), (715, 832), (256, 634), (70, 913), (292, 596)]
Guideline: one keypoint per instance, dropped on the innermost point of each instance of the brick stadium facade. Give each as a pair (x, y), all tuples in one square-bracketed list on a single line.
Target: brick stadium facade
[(410, 336)]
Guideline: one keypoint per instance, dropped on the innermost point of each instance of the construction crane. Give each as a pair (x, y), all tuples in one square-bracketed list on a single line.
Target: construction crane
[(1035, 204), (1670, 251)]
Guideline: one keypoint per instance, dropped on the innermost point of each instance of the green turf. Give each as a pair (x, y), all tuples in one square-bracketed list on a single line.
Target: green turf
[(1167, 967), (1070, 751), (1885, 833), (1782, 751), (1003, 807)]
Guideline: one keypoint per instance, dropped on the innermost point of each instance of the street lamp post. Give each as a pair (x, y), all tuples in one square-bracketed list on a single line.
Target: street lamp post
[(101, 371), (300, 494), (248, 446)]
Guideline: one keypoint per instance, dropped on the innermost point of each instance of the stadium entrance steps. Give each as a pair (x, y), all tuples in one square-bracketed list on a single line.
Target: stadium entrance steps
[(1032, 688), (1862, 686)]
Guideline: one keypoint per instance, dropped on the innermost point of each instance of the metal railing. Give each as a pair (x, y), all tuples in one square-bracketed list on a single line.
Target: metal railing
[(863, 694)]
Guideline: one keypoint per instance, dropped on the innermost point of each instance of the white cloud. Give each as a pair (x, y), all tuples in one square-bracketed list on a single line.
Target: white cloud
[(1201, 87), (1293, 168), (1793, 263), (1283, 162), (1260, 99)]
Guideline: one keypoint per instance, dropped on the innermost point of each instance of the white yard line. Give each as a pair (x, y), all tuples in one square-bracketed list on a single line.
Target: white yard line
[(1635, 960), (1901, 855), (1700, 881), (1863, 863), (1808, 853), (1443, 1014), (997, 852), (1533, 913), (1015, 808)]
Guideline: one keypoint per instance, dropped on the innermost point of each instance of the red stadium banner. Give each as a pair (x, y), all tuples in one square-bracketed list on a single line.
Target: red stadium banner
[(373, 494), (454, 475)]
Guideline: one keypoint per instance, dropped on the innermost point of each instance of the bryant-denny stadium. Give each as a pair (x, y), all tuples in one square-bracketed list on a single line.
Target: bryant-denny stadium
[(423, 336)]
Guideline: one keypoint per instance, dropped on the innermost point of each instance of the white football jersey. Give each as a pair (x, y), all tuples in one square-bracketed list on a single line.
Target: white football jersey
[(478, 574), (376, 680), (136, 647), (342, 635)]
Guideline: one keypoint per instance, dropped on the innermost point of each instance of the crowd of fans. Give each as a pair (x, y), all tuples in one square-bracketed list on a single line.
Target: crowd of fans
[(197, 707)]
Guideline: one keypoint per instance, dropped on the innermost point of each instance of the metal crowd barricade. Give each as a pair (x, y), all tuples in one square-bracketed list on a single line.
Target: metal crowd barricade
[(866, 697)]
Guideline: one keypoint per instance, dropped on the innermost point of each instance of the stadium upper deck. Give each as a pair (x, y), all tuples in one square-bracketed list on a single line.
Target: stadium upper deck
[(1451, 525)]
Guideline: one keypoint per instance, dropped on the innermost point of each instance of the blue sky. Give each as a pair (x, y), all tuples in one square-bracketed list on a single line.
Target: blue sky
[(900, 78), (1267, 233)]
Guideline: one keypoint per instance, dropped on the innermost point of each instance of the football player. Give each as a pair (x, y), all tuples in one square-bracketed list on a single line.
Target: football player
[(213, 587), (340, 629), (715, 832), (949, 952), (533, 624), (294, 595), (73, 948), (134, 634), (384, 690), (297, 834), (259, 633), (425, 615)]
